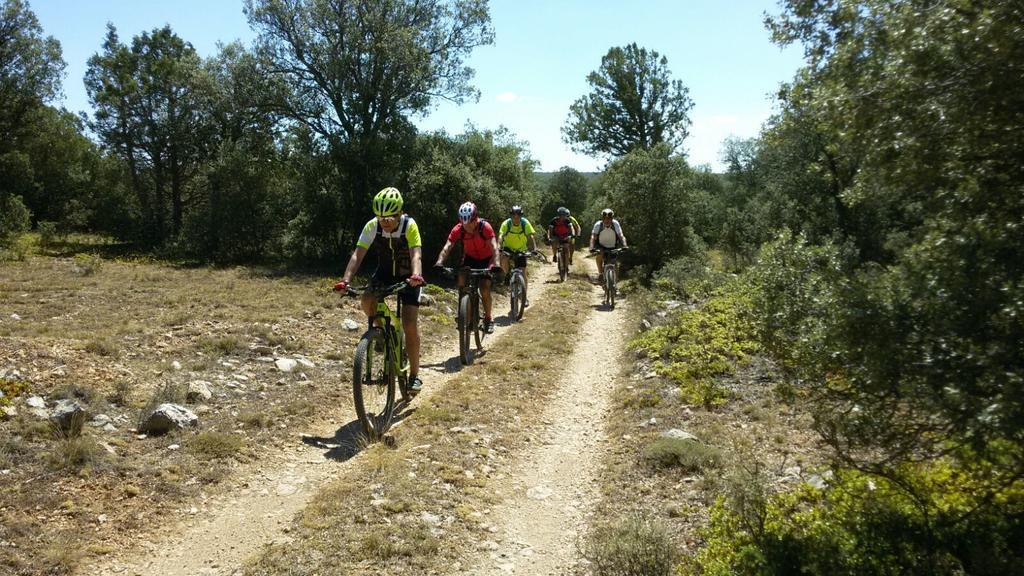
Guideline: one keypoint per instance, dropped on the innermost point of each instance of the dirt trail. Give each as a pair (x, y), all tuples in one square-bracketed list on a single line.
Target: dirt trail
[(554, 487), (258, 509)]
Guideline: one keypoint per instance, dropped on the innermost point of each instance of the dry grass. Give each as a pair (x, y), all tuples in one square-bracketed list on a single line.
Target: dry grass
[(106, 331)]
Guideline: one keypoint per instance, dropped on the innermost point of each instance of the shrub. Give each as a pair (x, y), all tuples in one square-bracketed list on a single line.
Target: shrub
[(636, 546), (73, 452), (47, 234), (687, 454), (87, 264), (211, 445), (935, 520)]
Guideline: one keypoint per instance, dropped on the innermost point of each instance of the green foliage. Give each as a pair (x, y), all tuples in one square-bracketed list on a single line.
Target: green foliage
[(567, 187), (936, 518), (633, 546), (14, 219), (633, 105), (488, 167), (688, 455), (650, 192), (689, 277), (700, 345)]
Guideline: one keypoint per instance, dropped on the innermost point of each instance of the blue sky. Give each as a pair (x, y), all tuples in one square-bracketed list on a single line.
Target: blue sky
[(535, 69)]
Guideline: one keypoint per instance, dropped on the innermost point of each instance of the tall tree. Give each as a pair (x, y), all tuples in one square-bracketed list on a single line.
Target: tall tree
[(31, 70), (633, 104), (359, 68), (152, 106), (566, 188)]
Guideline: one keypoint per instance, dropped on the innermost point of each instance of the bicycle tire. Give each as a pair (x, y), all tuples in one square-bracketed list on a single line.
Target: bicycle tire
[(464, 327), (563, 263), (611, 288), (517, 297), (373, 384), (477, 331)]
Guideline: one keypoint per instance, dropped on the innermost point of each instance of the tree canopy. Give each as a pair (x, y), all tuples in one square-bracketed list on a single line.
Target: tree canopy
[(633, 104)]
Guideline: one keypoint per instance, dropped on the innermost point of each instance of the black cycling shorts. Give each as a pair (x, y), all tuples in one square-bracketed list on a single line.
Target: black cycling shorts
[(518, 260), (476, 264), (410, 295)]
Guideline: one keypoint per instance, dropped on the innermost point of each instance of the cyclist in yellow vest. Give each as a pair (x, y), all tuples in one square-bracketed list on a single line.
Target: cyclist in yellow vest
[(516, 234)]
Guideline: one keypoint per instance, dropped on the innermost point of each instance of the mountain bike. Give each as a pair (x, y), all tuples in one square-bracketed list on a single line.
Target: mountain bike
[(380, 364), (517, 283), (609, 276), (470, 323), (563, 256)]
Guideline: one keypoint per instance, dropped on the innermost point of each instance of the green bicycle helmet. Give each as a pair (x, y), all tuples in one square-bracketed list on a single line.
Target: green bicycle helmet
[(387, 202)]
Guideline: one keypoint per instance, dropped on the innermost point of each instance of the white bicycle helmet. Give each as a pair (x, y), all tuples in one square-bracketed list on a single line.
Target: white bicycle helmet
[(467, 212)]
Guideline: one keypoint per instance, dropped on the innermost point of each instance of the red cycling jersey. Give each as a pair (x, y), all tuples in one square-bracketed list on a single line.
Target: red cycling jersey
[(476, 245)]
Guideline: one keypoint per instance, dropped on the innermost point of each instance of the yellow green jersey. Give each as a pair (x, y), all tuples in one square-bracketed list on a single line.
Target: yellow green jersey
[(514, 237)]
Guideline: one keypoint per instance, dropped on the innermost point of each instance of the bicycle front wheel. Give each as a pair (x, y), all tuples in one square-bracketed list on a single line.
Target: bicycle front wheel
[(477, 332), (609, 284), (465, 326), (517, 297), (373, 384)]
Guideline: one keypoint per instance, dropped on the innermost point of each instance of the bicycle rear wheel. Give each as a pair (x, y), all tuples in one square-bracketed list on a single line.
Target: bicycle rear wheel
[(465, 325), (373, 384)]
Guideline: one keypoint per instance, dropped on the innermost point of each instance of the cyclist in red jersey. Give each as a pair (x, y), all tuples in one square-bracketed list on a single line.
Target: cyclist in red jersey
[(479, 250), (563, 228)]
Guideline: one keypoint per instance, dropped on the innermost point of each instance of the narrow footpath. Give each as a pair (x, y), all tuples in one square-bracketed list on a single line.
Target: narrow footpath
[(224, 531), (551, 495)]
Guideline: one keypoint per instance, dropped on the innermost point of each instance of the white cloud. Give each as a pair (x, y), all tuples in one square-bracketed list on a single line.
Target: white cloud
[(507, 97)]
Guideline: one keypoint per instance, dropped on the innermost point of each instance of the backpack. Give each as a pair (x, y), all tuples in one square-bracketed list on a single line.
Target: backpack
[(508, 221)]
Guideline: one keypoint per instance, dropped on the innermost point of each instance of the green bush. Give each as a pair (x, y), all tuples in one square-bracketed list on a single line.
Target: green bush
[(635, 546), (686, 454), (936, 519)]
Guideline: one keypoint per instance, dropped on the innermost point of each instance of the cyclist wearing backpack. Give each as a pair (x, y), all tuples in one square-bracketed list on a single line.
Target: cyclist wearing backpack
[(563, 228), (479, 250), (516, 234), (607, 233), (399, 257)]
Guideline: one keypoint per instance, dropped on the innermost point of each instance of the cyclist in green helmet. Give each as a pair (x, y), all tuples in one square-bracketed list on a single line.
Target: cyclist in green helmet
[(399, 257)]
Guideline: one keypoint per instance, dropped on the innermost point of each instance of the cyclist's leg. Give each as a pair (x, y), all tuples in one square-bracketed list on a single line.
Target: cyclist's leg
[(410, 324), (485, 294), (572, 249), (600, 267), (504, 264), (554, 248), (368, 302)]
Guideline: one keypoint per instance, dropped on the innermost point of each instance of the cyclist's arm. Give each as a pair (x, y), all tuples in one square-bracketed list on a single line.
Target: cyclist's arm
[(622, 235), (444, 253), (353, 264), (531, 242), (416, 260), (593, 239), (577, 230), (496, 250)]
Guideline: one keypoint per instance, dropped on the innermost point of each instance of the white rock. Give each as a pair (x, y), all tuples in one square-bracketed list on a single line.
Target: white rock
[(176, 365), (305, 362), (15, 317), (285, 364), (35, 402), (679, 434), (350, 324)]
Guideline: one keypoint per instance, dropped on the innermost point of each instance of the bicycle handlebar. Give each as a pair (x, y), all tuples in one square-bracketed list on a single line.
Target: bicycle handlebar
[(378, 290)]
